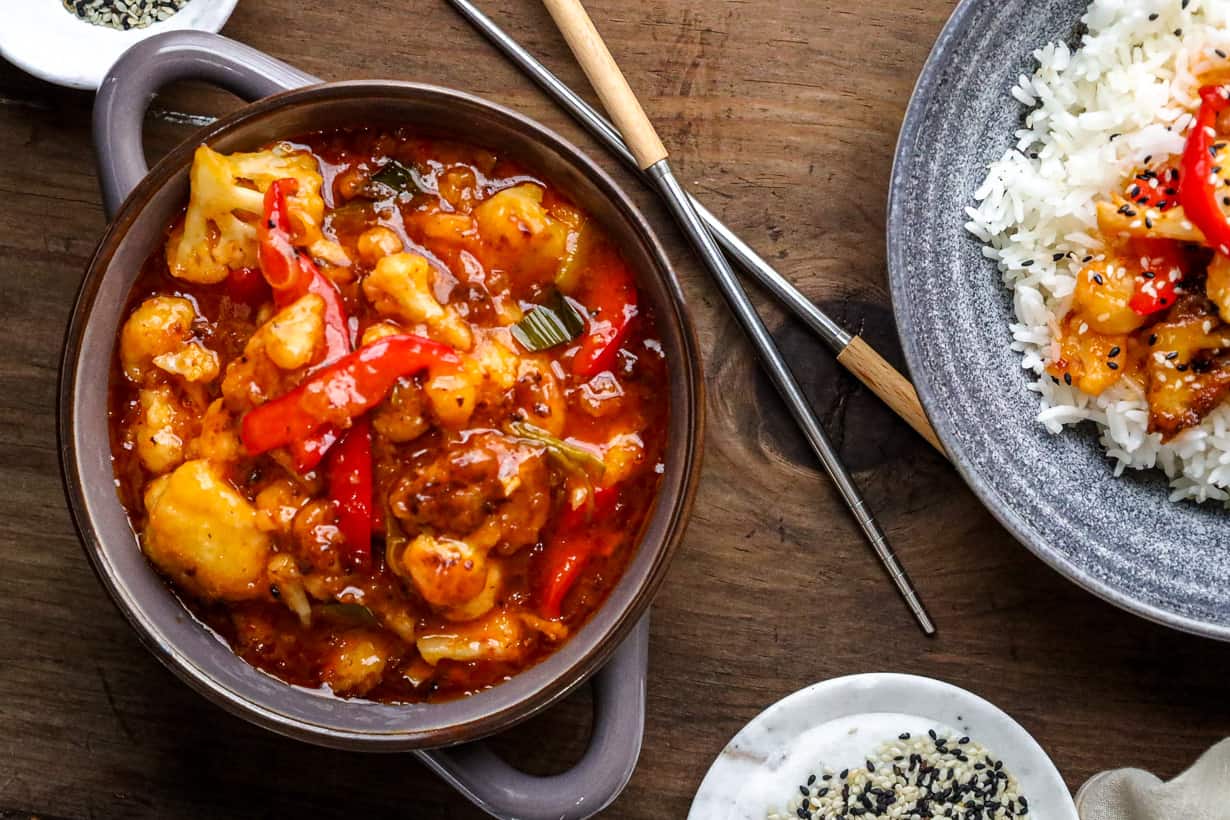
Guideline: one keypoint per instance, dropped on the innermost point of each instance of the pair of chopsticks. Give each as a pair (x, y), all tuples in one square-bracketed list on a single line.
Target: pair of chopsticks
[(645, 153)]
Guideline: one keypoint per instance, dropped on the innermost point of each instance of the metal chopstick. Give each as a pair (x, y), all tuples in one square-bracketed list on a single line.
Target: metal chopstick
[(605, 132), (853, 353), (652, 157)]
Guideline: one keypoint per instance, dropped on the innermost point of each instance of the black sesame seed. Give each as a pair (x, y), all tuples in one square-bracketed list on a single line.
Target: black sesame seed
[(1067, 379), (1056, 257), (1112, 365), (1114, 351), (1097, 277), (1153, 16)]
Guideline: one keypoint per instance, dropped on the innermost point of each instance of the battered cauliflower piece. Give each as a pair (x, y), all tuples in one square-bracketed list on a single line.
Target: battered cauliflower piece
[(376, 243), (205, 535), (622, 455), (161, 430), (355, 663), (515, 223), (193, 363), (226, 201), (499, 636), (493, 365), (291, 339), (158, 330), (295, 334), (217, 440), (446, 572), (483, 602), (400, 286)]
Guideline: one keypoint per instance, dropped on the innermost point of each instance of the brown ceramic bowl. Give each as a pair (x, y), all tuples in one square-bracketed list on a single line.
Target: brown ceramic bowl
[(149, 201)]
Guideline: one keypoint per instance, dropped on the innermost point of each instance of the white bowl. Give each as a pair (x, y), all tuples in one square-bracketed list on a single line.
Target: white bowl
[(48, 41), (839, 722)]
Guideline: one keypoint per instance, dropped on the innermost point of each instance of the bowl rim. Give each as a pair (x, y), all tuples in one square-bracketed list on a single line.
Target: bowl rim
[(503, 712), (925, 89)]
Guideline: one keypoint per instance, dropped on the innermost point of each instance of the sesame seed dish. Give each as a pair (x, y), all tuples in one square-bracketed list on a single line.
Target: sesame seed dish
[(932, 775), (1110, 222), (882, 745)]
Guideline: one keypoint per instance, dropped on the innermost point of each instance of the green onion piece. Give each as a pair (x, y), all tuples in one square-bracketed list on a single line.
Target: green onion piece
[(393, 179), (550, 325), (351, 613), (572, 457)]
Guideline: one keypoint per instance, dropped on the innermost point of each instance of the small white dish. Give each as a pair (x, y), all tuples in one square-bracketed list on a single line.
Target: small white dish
[(839, 722), (47, 40)]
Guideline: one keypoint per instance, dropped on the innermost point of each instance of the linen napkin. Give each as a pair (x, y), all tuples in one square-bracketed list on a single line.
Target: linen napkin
[(1200, 793)]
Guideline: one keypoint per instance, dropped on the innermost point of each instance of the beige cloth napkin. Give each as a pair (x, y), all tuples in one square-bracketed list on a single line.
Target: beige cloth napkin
[(1200, 793)]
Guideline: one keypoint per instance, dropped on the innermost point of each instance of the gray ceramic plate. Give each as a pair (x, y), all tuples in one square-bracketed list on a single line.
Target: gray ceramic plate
[(1119, 538)]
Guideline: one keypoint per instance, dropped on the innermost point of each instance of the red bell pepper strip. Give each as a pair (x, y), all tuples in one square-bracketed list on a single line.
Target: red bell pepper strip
[(340, 393), (247, 286), (570, 549), (292, 275), (1163, 267), (1198, 185), (348, 472), (1153, 295), (612, 307), (564, 558)]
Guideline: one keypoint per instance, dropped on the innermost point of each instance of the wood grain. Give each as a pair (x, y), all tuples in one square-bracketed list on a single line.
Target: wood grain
[(881, 378), (607, 80), (782, 115)]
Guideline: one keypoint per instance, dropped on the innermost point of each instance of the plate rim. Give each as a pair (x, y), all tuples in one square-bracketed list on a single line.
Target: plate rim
[(872, 679), (1000, 507)]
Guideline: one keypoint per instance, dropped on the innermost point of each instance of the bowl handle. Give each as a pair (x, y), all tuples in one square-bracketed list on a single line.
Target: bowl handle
[(130, 85), (589, 786)]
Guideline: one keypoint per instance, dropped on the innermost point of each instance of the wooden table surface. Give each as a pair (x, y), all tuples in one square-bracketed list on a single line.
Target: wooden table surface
[(782, 115)]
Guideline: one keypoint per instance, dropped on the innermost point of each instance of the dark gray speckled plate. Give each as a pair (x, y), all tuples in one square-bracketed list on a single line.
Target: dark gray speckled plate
[(1119, 538)]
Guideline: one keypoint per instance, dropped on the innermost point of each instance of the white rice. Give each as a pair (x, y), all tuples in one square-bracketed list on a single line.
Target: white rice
[(1127, 93)]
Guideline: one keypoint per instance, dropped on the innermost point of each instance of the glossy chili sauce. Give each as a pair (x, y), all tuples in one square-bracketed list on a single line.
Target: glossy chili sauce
[(357, 623)]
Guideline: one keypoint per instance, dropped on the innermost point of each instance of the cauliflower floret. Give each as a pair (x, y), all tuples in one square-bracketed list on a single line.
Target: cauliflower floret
[(402, 417), (499, 636), (453, 394), (295, 334), (204, 534), (163, 427), (400, 286), (483, 602), (493, 365), (218, 440), (521, 231), (446, 572), (277, 505), (355, 662), (622, 455), (193, 363), (160, 326), (378, 331), (376, 243), (291, 339), (227, 199)]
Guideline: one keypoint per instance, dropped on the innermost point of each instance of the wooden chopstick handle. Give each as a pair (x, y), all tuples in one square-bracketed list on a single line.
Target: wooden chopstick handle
[(606, 78), (893, 388)]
